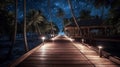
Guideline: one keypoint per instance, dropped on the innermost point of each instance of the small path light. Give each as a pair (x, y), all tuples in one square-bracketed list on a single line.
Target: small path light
[(43, 39), (82, 40), (100, 50), (52, 35)]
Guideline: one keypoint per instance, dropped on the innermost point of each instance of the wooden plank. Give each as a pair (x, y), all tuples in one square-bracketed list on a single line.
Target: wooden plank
[(58, 53), (63, 55), (19, 60), (58, 65), (35, 62)]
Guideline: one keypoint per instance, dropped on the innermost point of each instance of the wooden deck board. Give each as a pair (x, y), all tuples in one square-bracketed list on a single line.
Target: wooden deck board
[(62, 53), (56, 54), (57, 65)]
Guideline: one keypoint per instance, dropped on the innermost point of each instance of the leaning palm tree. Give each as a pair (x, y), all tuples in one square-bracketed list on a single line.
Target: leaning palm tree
[(35, 18), (24, 31), (75, 21)]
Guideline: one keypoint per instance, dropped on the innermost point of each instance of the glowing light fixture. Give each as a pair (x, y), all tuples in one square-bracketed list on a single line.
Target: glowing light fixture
[(100, 47), (43, 39), (100, 50)]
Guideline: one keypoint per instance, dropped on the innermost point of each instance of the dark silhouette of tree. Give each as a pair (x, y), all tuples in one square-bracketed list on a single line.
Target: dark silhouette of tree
[(85, 14), (113, 17), (7, 18), (115, 4), (103, 4), (36, 22), (14, 30), (72, 12), (35, 18), (66, 21), (24, 31), (55, 28)]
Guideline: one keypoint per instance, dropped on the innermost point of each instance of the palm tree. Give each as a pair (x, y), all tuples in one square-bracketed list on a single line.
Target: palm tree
[(115, 4), (38, 23), (66, 21), (72, 12), (55, 28), (114, 15), (35, 18), (10, 22), (45, 27), (103, 4), (15, 29), (114, 10), (85, 14), (7, 19), (24, 31), (5, 3)]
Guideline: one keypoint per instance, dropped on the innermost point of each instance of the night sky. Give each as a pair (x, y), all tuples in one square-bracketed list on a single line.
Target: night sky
[(43, 6)]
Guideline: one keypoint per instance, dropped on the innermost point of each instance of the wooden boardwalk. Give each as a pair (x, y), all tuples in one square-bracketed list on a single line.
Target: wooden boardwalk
[(58, 53)]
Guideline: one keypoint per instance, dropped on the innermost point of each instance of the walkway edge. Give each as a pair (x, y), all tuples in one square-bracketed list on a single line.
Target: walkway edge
[(20, 59), (74, 44), (105, 54)]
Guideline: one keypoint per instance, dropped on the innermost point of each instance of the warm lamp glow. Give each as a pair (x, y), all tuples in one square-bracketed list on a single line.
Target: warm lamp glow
[(43, 38), (100, 47)]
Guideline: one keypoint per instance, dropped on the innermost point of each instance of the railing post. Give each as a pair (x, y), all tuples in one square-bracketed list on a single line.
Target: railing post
[(100, 51)]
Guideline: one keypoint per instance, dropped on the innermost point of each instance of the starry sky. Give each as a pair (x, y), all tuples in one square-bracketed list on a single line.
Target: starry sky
[(54, 5)]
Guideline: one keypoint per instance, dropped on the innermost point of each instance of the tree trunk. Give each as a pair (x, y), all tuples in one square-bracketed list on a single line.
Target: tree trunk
[(75, 21), (24, 31), (15, 31)]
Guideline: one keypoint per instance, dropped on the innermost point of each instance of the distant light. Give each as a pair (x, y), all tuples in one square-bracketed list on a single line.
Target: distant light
[(52, 35), (82, 40), (53, 39), (43, 38), (100, 47)]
